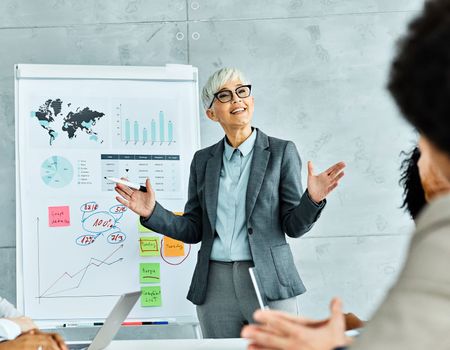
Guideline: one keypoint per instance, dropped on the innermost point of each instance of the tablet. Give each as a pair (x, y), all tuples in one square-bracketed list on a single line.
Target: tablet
[(262, 306)]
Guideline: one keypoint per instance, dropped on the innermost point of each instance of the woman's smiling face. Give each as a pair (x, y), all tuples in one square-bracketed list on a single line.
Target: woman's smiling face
[(236, 113)]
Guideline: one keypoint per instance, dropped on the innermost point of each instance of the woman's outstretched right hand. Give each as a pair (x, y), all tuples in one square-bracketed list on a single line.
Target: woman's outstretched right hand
[(142, 203)]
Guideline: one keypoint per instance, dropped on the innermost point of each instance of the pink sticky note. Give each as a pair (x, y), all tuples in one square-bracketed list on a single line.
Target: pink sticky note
[(58, 216)]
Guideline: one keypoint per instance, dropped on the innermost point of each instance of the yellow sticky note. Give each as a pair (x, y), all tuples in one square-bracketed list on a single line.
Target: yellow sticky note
[(149, 272), (151, 296), (172, 247), (142, 228), (149, 246)]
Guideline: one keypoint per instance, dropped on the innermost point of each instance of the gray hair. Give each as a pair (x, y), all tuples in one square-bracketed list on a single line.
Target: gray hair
[(217, 80)]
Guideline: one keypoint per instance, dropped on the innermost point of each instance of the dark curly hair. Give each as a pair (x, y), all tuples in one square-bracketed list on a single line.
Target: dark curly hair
[(420, 74), (413, 193)]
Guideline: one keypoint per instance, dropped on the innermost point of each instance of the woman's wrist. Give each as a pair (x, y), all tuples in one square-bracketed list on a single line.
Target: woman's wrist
[(314, 200)]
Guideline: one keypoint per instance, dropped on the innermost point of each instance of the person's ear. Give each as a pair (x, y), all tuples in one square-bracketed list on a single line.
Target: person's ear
[(211, 115)]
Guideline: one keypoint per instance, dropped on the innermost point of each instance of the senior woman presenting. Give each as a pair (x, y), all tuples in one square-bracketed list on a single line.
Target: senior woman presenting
[(245, 194)]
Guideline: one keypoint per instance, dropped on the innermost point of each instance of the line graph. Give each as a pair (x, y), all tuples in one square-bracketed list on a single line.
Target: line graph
[(70, 281)]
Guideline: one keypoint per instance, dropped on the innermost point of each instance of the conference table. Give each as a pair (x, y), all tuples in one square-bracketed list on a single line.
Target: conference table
[(180, 344)]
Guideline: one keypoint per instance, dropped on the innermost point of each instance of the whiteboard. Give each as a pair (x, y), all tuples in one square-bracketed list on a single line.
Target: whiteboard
[(78, 249)]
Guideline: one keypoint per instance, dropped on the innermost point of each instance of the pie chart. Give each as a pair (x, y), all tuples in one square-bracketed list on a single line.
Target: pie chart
[(56, 172)]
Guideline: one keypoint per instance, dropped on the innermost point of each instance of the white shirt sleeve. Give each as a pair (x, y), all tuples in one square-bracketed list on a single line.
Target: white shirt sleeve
[(7, 309), (8, 330)]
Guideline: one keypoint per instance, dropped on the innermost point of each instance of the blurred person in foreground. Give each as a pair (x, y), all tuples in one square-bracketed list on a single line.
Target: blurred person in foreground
[(414, 314), (20, 332)]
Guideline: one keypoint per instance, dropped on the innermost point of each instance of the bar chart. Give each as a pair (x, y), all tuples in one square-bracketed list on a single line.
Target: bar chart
[(136, 126)]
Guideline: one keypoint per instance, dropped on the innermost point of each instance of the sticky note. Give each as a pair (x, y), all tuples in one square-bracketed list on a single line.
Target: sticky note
[(149, 272), (151, 296), (149, 246), (58, 216), (142, 228), (172, 247)]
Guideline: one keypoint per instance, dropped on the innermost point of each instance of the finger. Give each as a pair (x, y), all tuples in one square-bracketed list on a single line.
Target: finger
[(261, 315), (148, 185), (335, 173), (339, 176), (59, 341), (267, 329), (122, 193), (262, 338), (335, 168), (310, 168), (254, 346), (150, 189), (46, 341), (125, 189), (287, 328), (279, 323), (250, 329), (336, 307), (122, 201), (332, 187)]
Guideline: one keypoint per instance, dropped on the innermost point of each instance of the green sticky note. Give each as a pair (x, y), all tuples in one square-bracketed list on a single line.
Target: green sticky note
[(149, 246), (149, 272), (151, 296), (142, 228)]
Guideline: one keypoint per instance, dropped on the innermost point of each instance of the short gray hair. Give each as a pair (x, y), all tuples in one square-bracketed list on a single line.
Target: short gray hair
[(219, 79)]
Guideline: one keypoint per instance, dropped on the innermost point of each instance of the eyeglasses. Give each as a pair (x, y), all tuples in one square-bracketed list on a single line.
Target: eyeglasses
[(225, 96)]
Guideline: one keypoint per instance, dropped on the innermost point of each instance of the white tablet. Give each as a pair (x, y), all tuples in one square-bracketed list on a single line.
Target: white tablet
[(257, 290)]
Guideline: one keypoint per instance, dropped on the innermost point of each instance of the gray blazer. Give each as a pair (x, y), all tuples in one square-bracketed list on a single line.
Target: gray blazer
[(275, 206)]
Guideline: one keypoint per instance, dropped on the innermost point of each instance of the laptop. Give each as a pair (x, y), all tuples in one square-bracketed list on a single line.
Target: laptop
[(111, 325), (262, 305)]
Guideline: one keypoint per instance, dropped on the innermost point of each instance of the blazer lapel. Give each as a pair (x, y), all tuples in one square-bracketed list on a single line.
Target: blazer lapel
[(261, 156), (212, 176)]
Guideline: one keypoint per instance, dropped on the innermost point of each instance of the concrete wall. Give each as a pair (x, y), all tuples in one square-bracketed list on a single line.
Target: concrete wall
[(318, 69)]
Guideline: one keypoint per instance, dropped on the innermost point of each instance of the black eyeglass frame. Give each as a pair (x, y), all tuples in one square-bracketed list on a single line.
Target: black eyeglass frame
[(235, 91)]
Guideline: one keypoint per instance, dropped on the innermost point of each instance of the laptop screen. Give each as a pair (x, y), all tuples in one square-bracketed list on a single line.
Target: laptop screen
[(111, 325)]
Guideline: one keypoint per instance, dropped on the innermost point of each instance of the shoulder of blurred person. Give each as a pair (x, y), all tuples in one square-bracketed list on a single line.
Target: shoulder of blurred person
[(12, 323)]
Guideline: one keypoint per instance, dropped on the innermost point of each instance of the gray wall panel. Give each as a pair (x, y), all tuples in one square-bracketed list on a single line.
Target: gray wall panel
[(38, 13), (7, 170), (357, 269), (126, 44), (236, 9), (8, 273)]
